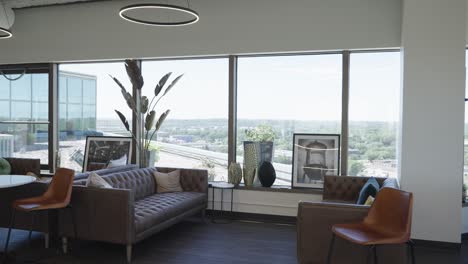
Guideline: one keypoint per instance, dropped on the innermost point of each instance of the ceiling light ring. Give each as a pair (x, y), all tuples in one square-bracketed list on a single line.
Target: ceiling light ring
[(189, 11), (5, 33)]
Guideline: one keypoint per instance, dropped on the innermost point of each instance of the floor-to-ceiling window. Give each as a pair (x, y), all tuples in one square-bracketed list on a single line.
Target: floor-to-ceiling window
[(284, 95), (195, 133), (87, 98), (374, 103), (24, 115)]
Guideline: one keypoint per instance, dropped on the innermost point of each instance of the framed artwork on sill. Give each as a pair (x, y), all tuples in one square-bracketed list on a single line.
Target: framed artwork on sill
[(314, 156), (105, 152)]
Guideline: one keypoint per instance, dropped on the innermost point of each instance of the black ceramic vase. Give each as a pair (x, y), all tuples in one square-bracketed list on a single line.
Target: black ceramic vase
[(266, 174)]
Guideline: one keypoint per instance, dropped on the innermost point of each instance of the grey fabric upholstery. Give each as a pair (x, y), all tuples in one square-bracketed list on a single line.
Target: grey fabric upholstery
[(103, 172), (140, 181)]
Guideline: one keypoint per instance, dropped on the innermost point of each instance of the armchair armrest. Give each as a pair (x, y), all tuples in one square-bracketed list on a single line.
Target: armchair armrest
[(100, 214), (314, 222)]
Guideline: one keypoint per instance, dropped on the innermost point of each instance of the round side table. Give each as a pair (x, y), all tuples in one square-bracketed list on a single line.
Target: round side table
[(222, 186)]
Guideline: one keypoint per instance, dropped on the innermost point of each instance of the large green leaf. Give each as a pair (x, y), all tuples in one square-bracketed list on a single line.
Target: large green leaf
[(172, 84), (123, 119), (134, 73), (127, 96), (149, 120), (144, 104), (161, 84), (161, 120), (118, 82)]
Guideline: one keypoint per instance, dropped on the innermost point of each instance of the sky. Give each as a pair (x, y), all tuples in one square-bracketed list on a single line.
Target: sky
[(306, 87)]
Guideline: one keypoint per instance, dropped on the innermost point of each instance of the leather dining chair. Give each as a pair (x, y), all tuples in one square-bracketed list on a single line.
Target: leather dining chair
[(388, 222), (56, 197)]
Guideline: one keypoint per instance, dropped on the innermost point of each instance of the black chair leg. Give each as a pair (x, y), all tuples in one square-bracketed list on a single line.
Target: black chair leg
[(330, 249), (12, 222), (411, 251), (75, 234), (375, 254), (33, 222)]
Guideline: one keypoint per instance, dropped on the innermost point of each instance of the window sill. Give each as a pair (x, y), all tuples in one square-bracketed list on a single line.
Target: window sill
[(279, 188)]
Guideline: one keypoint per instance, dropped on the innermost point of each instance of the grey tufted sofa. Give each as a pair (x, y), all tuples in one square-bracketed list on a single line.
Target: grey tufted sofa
[(133, 211)]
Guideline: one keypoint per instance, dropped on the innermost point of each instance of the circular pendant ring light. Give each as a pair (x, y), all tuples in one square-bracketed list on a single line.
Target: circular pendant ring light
[(189, 11), (5, 33)]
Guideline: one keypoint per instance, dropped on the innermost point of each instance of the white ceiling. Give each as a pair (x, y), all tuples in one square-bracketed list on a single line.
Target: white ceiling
[(32, 3)]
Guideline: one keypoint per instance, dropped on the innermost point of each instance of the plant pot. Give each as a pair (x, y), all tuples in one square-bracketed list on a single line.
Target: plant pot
[(151, 156), (255, 153)]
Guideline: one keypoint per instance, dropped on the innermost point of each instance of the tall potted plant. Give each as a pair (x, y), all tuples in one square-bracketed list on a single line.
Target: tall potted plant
[(257, 148), (145, 114)]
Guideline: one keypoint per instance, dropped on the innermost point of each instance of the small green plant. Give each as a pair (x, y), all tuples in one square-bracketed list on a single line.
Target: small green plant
[(261, 133)]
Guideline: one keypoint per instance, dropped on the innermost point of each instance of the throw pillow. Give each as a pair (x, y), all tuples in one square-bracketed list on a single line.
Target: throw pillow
[(369, 201), (168, 182), (94, 180), (369, 189), (389, 183), (5, 167), (118, 162)]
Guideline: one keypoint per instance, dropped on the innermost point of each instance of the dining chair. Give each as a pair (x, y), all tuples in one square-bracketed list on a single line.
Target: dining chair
[(387, 222), (56, 197)]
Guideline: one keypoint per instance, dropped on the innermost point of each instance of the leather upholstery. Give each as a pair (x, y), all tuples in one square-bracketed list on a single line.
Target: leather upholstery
[(133, 211), (140, 181), (156, 209), (347, 188), (388, 220), (22, 166), (58, 194), (316, 218), (106, 171), (192, 180)]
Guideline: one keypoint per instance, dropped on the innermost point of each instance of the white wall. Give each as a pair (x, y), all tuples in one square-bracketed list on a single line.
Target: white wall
[(432, 130), (94, 31)]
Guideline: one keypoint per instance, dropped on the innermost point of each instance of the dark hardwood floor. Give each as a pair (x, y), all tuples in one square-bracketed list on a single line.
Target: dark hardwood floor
[(197, 242)]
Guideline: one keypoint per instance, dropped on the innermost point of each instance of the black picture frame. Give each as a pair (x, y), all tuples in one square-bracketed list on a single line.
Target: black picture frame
[(314, 156), (110, 148)]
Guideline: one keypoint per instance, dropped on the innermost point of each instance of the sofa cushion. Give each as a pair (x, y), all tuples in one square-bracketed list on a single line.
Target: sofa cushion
[(141, 181), (369, 189), (96, 181), (157, 208), (167, 182)]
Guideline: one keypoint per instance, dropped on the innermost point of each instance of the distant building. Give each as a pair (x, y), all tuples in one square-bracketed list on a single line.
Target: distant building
[(77, 104)]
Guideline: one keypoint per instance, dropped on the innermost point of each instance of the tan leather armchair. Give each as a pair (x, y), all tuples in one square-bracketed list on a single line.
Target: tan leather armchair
[(315, 220)]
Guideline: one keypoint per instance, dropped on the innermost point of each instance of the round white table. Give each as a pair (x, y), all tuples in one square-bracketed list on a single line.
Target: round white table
[(8, 181)]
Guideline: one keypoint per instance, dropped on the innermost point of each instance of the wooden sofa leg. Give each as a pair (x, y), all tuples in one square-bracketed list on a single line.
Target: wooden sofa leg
[(203, 216), (129, 253), (46, 240)]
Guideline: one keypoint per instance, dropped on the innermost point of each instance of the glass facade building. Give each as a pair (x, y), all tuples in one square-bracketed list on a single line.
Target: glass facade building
[(24, 112)]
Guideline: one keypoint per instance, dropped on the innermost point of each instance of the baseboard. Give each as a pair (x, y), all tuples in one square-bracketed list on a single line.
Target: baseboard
[(277, 219), (437, 244)]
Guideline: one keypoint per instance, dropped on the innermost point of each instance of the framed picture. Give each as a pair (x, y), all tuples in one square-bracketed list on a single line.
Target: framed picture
[(314, 156), (102, 152)]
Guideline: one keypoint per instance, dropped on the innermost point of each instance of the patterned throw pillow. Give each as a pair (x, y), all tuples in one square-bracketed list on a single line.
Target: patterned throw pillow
[(94, 180), (168, 182), (371, 188)]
